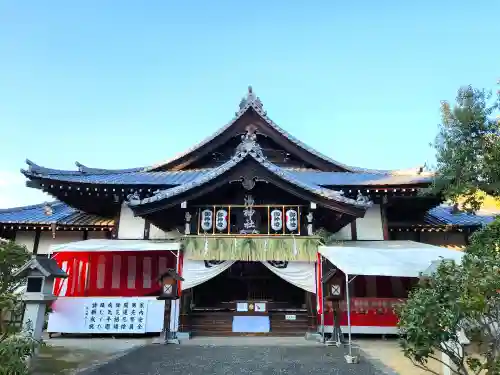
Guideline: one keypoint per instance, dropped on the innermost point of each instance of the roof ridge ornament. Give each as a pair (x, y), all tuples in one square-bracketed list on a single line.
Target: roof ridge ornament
[(47, 209), (134, 197), (250, 100), (362, 199), (249, 145)]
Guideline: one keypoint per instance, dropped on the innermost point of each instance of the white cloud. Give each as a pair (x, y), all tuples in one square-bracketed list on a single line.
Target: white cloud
[(14, 193)]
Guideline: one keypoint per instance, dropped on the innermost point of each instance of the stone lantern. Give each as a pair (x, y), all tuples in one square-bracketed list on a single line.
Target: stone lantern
[(40, 273), (169, 292)]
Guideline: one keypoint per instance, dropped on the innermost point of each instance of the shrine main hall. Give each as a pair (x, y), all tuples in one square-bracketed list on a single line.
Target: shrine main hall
[(267, 233)]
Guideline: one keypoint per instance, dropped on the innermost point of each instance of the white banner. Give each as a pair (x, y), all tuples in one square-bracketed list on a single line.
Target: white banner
[(69, 315), (115, 315), (196, 272), (300, 274)]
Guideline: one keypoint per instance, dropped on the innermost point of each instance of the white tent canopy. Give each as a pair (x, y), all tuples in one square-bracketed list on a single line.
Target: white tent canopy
[(116, 245), (386, 258)]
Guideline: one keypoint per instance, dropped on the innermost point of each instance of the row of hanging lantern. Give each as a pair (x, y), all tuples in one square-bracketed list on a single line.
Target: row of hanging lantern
[(276, 220), (291, 221), (221, 221)]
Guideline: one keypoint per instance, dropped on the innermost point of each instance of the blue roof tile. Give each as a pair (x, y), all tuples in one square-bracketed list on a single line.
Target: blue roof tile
[(174, 178), (359, 179), (443, 215), (62, 214)]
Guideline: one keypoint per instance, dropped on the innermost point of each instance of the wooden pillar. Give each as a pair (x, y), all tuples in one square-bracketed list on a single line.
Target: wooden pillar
[(354, 230), (166, 320), (467, 234), (36, 243), (114, 232), (383, 216), (147, 229)]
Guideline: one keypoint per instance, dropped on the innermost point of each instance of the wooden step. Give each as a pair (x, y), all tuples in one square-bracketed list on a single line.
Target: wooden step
[(219, 323)]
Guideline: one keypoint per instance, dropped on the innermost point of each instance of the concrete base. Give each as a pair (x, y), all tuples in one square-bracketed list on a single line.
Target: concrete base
[(333, 343), (158, 340), (184, 335), (351, 359), (161, 341), (313, 336)]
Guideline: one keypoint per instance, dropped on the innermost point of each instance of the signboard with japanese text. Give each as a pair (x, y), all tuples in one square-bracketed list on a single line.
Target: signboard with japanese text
[(124, 315)]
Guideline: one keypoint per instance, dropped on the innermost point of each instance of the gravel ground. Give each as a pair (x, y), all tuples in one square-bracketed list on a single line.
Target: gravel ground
[(233, 360)]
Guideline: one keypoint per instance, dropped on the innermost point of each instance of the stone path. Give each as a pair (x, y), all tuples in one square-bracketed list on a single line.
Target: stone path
[(216, 359), (387, 354), (63, 355)]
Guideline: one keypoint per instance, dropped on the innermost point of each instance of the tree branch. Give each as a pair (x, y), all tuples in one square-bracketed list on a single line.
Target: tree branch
[(423, 367), (451, 368)]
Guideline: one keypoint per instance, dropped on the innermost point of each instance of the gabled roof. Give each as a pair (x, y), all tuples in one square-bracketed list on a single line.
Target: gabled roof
[(51, 212), (46, 266), (250, 103), (253, 102), (249, 149)]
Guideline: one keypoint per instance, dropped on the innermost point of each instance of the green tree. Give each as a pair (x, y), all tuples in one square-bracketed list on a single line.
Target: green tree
[(456, 297), (468, 148), (16, 348), (12, 257)]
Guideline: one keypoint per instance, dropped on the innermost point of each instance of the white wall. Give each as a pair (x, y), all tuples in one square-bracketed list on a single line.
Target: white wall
[(26, 238), (130, 227), (370, 226), (343, 234), (46, 239), (156, 233)]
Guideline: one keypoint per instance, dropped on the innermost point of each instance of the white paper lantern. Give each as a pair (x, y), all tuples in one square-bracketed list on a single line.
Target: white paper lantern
[(276, 220), (292, 220), (206, 220), (221, 219)]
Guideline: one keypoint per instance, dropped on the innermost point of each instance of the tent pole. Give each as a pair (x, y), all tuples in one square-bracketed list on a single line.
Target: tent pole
[(173, 307), (348, 312), (321, 301)]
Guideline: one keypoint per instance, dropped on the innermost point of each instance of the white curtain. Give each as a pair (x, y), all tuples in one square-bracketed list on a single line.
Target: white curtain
[(300, 274), (196, 272)]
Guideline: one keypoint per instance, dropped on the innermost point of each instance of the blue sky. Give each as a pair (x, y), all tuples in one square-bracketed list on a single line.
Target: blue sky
[(121, 84)]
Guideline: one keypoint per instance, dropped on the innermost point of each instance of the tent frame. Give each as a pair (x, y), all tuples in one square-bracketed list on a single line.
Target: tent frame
[(169, 337), (348, 280)]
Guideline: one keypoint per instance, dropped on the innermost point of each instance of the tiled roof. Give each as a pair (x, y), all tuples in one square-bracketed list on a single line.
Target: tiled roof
[(443, 215), (249, 148), (170, 178), (250, 102), (62, 214), (174, 178), (360, 179)]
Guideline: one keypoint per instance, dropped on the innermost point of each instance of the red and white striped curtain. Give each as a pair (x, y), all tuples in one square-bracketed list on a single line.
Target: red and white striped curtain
[(112, 274)]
